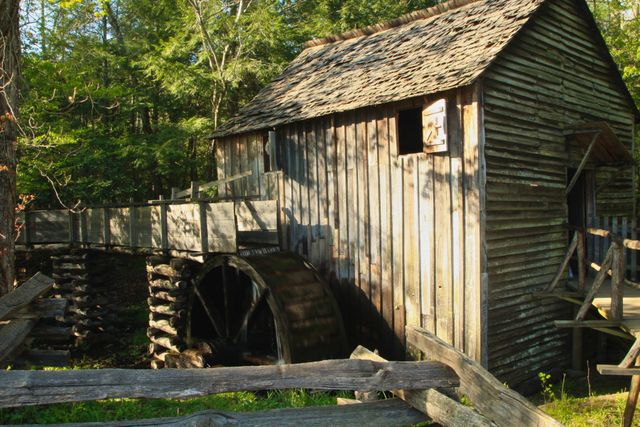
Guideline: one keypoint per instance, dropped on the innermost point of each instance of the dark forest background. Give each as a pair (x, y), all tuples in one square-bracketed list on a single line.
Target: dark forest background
[(118, 96)]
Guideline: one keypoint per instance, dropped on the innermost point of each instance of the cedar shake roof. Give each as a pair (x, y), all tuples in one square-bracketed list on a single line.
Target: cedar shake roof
[(429, 51)]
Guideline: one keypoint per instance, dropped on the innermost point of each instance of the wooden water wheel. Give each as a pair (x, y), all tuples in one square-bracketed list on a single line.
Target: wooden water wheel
[(263, 309)]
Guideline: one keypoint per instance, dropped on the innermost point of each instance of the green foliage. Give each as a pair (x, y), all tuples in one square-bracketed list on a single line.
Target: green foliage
[(119, 95)]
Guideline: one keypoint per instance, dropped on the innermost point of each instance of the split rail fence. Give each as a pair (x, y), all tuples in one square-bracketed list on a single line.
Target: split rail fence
[(422, 389), (20, 313)]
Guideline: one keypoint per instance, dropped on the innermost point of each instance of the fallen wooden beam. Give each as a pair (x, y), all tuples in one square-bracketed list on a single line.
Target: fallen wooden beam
[(44, 387), (12, 335), (435, 405), (24, 294), (503, 406), (390, 412)]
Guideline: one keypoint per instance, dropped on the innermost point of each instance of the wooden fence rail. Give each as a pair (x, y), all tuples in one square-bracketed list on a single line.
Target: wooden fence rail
[(424, 386), (20, 312)]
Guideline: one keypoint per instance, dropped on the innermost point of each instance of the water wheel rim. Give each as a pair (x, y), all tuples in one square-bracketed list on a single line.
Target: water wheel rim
[(240, 265)]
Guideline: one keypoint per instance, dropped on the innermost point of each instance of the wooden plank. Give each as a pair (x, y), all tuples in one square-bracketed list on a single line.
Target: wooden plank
[(257, 215), (221, 228), (12, 335), (435, 405), (313, 189), (386, 231), (617, 282), (503, 406), (45, 387), (411, 240), (473, 253), (36, 286), (427, 244), (374, 230), (389, 412), (395, 182), (362, 228), (352, 225), (443, 241), (322, 226)]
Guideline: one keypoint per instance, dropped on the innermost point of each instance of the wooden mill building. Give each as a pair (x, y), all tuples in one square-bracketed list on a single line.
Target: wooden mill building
[(422, 166)]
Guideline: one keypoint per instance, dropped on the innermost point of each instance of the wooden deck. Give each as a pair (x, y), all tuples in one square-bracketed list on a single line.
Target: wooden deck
[(631, 307)]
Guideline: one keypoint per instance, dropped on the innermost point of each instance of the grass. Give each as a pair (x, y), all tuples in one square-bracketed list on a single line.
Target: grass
[(584, 402), (123, 409)]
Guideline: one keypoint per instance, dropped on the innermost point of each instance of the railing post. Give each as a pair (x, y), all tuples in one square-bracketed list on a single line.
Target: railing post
[(107, 227), (26, 228), (617, 278), (195, 190), (133, 232), (163, 225)]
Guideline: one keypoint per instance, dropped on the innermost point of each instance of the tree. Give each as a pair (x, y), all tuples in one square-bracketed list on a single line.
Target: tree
[(9, 80)]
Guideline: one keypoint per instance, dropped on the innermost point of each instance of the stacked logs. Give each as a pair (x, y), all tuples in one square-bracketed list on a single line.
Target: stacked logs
[(169, 283), (80, 279)]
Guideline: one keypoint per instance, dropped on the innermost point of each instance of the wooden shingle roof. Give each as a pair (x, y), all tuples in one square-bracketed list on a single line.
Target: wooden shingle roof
[(437, 49)]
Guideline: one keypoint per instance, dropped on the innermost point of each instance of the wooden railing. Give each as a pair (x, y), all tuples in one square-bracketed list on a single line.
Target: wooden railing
[(182, 226), (626, 228), (425, 390), (612, 265)]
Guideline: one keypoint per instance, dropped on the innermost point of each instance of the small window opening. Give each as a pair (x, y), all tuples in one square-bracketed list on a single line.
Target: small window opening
[(410, 131)]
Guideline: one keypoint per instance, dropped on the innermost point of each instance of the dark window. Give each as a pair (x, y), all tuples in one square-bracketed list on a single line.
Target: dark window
[(410, 131)]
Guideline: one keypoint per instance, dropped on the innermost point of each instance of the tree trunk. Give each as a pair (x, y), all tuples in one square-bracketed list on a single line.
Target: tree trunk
[(9, 78)]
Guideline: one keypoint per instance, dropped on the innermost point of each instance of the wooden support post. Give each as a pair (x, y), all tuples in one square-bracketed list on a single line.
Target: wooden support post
[(163, 226), (582, 260), (26, 228), (72, 234), (576, 346), (634, 254), (632, 399), (174, 193), (617, 281), (565, 263), (106, 227), (83, 228), (133, 229), (195, 190), (595, 287), (204, 228)]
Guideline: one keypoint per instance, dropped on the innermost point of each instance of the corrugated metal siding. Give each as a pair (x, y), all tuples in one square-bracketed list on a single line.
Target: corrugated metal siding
[(399, 236), (553, 76)]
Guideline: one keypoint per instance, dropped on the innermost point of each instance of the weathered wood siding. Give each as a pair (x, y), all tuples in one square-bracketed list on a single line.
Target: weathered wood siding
[(551, 77), (399, 236), (241, 154)]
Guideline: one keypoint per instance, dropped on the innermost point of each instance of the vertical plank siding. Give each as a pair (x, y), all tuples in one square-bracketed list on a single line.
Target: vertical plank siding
[(394, 234), (551, 77)]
